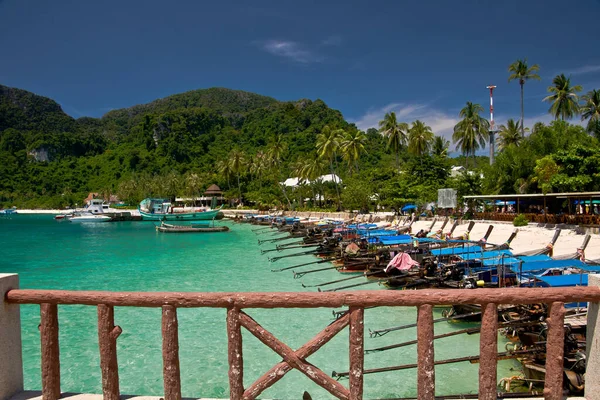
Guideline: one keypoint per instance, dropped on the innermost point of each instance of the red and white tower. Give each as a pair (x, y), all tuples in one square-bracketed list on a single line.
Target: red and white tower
[(492, 125)]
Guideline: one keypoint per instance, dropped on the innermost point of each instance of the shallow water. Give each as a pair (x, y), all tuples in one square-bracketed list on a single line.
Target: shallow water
[(131, 256)]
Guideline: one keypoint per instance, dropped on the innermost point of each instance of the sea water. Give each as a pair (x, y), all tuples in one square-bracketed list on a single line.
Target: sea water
[(132, 256)]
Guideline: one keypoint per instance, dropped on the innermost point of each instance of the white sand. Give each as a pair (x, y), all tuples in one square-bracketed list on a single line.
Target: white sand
[(528, 238)]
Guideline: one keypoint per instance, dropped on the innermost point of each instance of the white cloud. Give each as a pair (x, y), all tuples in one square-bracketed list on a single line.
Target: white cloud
[(290, 50), (586, 69), (441, 122), (333, 40)]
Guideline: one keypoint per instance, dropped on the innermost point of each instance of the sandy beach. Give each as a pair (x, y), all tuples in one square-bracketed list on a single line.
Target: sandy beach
[(528, 237)]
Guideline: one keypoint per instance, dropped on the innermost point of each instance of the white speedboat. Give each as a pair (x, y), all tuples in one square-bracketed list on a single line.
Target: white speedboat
[(89, 217)]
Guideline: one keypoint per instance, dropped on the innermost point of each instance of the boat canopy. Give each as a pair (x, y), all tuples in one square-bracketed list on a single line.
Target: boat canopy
[(565, 280)]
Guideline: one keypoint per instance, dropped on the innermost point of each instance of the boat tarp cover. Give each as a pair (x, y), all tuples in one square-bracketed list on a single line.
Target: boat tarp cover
[(515, 261), (486, 255), (548, 264), (565, 280), (402, 239), (448, 251)]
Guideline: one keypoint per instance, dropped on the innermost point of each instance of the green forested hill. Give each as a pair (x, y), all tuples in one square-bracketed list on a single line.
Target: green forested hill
[(248, 144), (179, 135)]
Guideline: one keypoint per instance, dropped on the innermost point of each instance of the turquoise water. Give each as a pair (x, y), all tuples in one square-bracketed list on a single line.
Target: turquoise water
[(131, 256)]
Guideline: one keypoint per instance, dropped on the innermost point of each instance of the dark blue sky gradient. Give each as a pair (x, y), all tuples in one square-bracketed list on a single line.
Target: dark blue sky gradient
[(423, 59)]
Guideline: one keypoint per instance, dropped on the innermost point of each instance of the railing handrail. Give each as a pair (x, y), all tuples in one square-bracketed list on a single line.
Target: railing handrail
[(368, 298)]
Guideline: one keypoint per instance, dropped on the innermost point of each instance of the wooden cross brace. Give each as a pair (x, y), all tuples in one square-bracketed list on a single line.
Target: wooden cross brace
[(295, 359)]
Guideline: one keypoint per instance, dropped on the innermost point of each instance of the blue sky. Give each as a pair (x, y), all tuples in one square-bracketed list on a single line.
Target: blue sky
[(422, 59)]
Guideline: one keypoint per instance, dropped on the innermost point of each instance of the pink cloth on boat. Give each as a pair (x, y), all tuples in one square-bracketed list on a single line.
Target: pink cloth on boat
[(402, 261)]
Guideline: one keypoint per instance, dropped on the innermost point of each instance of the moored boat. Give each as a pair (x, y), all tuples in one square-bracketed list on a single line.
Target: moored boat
[(89, 217), (163, 210), (193, 228)]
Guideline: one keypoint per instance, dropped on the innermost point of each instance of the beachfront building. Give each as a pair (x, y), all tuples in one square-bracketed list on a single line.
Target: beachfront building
[(576, 208), (206, 200)]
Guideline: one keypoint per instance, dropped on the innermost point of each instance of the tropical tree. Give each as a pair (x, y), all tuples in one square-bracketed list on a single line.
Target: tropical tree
[(328, 142), (193, 184), (564, 98), (510, 134), (237, 162), (275, 153), (439, 146), (352, 145), (395, 132), (259, 165), (420, 137), (311, 172), (522, 72), (472, 131), (224, 168), (590, 110)]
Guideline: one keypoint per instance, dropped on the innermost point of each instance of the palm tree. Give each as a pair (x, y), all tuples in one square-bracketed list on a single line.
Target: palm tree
[(193, 183), (353, 145), (328, 142), (564, 98), (472, 131), (395, 131), (510, 134), (420, 137), (224, 168), (590, 110), (439, 147), (237, 161), (259, 165), (522, 72), (275, 152), (312, 171)]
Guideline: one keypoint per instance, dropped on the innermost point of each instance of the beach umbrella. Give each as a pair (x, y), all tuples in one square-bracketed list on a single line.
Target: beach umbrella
[(409, 207)]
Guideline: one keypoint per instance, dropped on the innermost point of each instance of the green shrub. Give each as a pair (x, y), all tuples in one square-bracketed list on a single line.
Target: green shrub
[(520, 220)]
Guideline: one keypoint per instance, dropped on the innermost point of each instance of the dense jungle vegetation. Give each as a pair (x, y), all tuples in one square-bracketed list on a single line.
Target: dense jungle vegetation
[(248, 144)]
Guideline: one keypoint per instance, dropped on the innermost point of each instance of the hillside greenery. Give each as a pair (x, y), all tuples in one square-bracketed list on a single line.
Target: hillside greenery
[(248, 144)]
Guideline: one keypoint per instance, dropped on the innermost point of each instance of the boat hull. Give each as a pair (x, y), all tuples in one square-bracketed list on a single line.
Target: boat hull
[(193, 216)]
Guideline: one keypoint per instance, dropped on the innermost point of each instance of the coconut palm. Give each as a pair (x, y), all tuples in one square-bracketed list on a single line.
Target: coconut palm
[(224, 168), (564, 98), (352, 146), (193, 183), (522, 72), (313, 169), (259, 165), (237, 161), (439, 147), (328, 142), (396, 133), (472, 131), (510, 134), (420, 137), (275, 152), (590, 110)]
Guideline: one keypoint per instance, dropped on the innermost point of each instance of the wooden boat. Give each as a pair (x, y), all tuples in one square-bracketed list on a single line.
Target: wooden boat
[(162, 210), (194, 228)]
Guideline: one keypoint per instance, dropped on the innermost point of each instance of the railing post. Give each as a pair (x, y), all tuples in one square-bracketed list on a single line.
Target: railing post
[(11, 361), (488, 349), (555, 344), (357, 352), (170, 348), (50, 351), (107, 343), (234, 349), (592, 372), (425, 353)]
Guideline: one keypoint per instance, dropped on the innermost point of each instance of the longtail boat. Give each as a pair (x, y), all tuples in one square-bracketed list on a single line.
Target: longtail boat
[(194, 228), (163, 210)]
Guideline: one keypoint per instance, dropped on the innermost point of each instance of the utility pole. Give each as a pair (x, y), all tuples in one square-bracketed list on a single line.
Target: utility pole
[(492, 125)]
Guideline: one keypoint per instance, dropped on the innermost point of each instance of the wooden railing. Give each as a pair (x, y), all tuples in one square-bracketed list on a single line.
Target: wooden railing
[(424, 300)]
